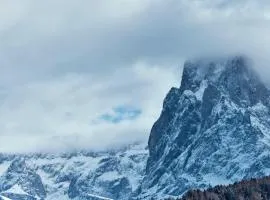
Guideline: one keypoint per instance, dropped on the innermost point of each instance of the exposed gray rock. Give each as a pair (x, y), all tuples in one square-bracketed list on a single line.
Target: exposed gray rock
[(213, 130)]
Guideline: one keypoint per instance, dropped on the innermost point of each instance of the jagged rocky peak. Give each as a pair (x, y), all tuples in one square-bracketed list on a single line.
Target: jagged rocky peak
[(196, 71), (206, 82), (213, 129), (234, 76), (17, 166)]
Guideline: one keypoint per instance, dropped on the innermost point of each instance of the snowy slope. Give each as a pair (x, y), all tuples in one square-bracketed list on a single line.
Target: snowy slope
[(80, 175), (4, 198)]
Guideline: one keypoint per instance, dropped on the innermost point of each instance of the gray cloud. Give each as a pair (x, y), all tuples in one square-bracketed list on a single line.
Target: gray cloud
[(65, 63), (92, 36)]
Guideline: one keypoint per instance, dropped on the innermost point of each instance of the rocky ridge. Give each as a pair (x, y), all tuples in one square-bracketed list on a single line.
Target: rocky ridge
[(213, 129)]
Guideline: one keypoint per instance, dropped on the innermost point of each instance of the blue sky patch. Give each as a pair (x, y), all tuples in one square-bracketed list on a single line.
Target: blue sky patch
[(121, 113)]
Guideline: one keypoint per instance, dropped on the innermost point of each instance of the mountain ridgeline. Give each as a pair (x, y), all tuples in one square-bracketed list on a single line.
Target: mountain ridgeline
[(214, 129)]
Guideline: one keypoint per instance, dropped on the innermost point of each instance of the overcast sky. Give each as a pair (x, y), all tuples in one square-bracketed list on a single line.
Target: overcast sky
[(93, 74)]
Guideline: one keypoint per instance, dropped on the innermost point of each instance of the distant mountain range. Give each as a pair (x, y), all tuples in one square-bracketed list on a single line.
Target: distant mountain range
[(214, 129), (80, 175)]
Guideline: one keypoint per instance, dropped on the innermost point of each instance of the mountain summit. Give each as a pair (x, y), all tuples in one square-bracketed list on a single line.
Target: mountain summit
[(214, 129)]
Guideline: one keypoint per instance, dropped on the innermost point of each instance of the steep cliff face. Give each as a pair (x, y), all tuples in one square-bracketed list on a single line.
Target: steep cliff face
[(214, 129)]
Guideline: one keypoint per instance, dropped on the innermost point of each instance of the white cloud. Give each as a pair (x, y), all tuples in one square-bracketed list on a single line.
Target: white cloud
[(52, 114), (65, 63)]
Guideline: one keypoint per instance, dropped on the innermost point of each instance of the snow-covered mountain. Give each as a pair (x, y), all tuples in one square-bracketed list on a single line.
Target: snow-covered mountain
[(214, 129), (82, 175)]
